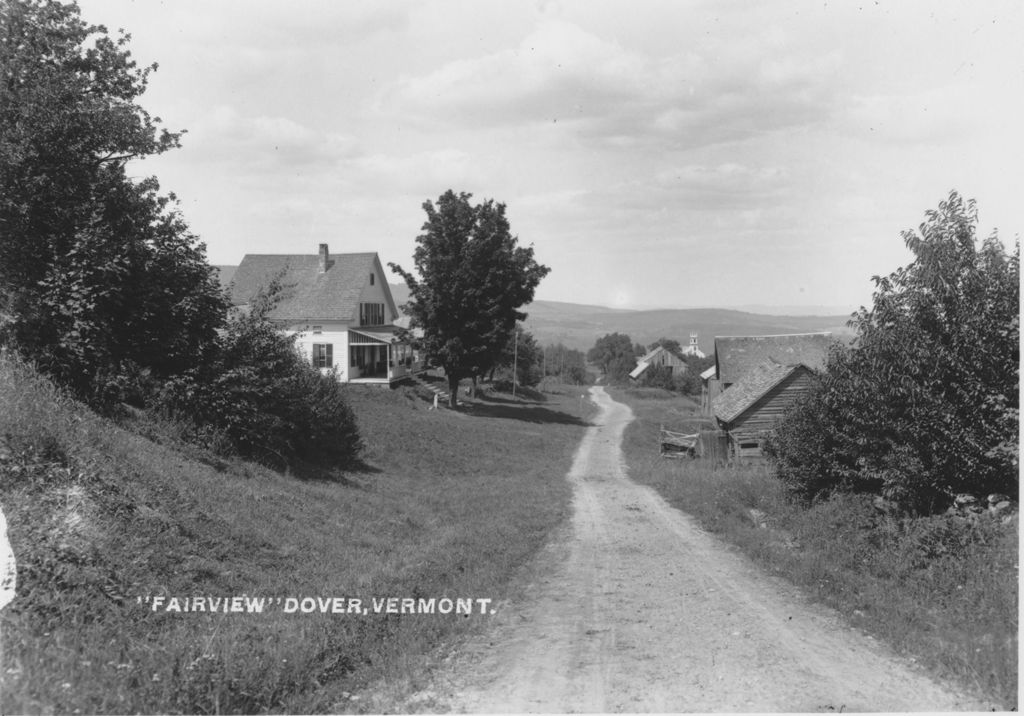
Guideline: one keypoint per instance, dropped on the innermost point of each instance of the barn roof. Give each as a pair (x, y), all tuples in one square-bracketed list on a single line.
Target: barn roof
[(651, 353), (741, 395), (645, 362), (309, 294), (709, 373), (735, 356)]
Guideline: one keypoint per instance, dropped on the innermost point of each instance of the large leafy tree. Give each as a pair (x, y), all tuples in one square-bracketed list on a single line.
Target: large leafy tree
[(615, 354), (100, 280), (473, 277), (925, 404)]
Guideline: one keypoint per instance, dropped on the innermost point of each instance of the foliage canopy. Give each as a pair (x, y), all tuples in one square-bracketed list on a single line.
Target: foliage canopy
[(925, 404), (101, 283), (473, 278), (615, 355)]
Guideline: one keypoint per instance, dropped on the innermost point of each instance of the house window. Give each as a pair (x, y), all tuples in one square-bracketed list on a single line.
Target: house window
[(371, 314), (371, 279), (323, 355)]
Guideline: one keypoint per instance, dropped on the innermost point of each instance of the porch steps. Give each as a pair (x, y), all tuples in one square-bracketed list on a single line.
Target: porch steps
[(442, 395)]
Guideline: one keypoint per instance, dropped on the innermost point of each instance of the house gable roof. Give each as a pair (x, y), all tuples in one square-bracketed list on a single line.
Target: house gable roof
[(739, 397), (735, 356), (309, 294)]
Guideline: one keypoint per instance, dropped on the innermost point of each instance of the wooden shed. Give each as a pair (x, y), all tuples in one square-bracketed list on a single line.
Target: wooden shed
[(748, 410)]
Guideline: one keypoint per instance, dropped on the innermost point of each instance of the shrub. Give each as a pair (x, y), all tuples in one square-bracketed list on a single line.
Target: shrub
[(658, 376), (261, 399)]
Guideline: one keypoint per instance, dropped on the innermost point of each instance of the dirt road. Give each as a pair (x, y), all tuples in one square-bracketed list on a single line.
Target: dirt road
[(637, 609)]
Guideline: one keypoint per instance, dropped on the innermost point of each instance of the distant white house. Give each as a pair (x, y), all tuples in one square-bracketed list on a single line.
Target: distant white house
[(340, 305), (692, 349)]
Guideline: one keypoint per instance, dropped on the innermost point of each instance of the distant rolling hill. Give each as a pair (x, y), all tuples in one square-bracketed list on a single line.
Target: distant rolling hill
[(579, 326)]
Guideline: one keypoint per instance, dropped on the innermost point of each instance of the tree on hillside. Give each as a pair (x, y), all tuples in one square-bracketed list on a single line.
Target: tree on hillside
[(473, 279), (522, 354), (101, 283), (669, 344), (925, 404), (614, 354), (568, 364)]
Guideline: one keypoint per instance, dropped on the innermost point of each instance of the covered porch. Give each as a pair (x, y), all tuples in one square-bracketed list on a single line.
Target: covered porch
[(376, 355)]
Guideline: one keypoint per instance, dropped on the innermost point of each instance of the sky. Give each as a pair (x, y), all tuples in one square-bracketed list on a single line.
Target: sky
[(654, 154)]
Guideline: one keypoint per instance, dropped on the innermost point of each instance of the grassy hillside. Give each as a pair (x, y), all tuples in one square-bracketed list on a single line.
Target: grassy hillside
[(101, 518), (942, 590)]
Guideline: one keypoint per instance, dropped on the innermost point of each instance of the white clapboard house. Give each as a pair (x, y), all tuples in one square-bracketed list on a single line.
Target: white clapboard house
[(341, 307)]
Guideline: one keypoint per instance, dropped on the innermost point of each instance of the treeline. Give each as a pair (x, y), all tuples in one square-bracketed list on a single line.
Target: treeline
[(102, 285), (531, 364), (616, 355)]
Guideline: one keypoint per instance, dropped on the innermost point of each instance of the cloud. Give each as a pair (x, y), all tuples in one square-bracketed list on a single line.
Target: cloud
[(933, 116), (621, 97), (558, 71), (725, 187), (267, 142), (426, 173), (279, 26)]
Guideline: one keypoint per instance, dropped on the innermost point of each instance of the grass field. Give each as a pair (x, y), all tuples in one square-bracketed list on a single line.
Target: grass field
[(941, 590), (446, 504)]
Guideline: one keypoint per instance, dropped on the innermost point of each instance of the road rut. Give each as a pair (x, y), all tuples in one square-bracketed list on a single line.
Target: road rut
[(635, 608)]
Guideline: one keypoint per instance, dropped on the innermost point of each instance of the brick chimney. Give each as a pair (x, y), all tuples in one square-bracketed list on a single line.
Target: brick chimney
[(323, 258)]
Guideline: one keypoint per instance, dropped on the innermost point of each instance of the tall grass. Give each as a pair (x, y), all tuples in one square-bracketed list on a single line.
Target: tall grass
[(942, 590), (446, 503)]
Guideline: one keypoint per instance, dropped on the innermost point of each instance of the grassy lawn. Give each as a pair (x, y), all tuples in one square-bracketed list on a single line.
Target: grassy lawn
[(941, 590), (446, 504)]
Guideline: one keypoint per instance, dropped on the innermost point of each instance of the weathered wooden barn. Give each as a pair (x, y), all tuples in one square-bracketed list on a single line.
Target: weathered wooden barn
[(735, 356), (709, 389), (659, 357), (756, 379), (749, 409)]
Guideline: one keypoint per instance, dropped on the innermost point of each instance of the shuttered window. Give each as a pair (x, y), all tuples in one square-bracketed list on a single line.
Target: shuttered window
[(323, 355), (371, 314)]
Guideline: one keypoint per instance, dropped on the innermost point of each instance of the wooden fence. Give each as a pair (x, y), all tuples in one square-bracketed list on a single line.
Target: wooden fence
[(696, 442)]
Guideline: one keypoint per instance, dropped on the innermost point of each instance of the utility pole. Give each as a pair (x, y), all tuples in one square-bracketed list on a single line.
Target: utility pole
[(515, 359)]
